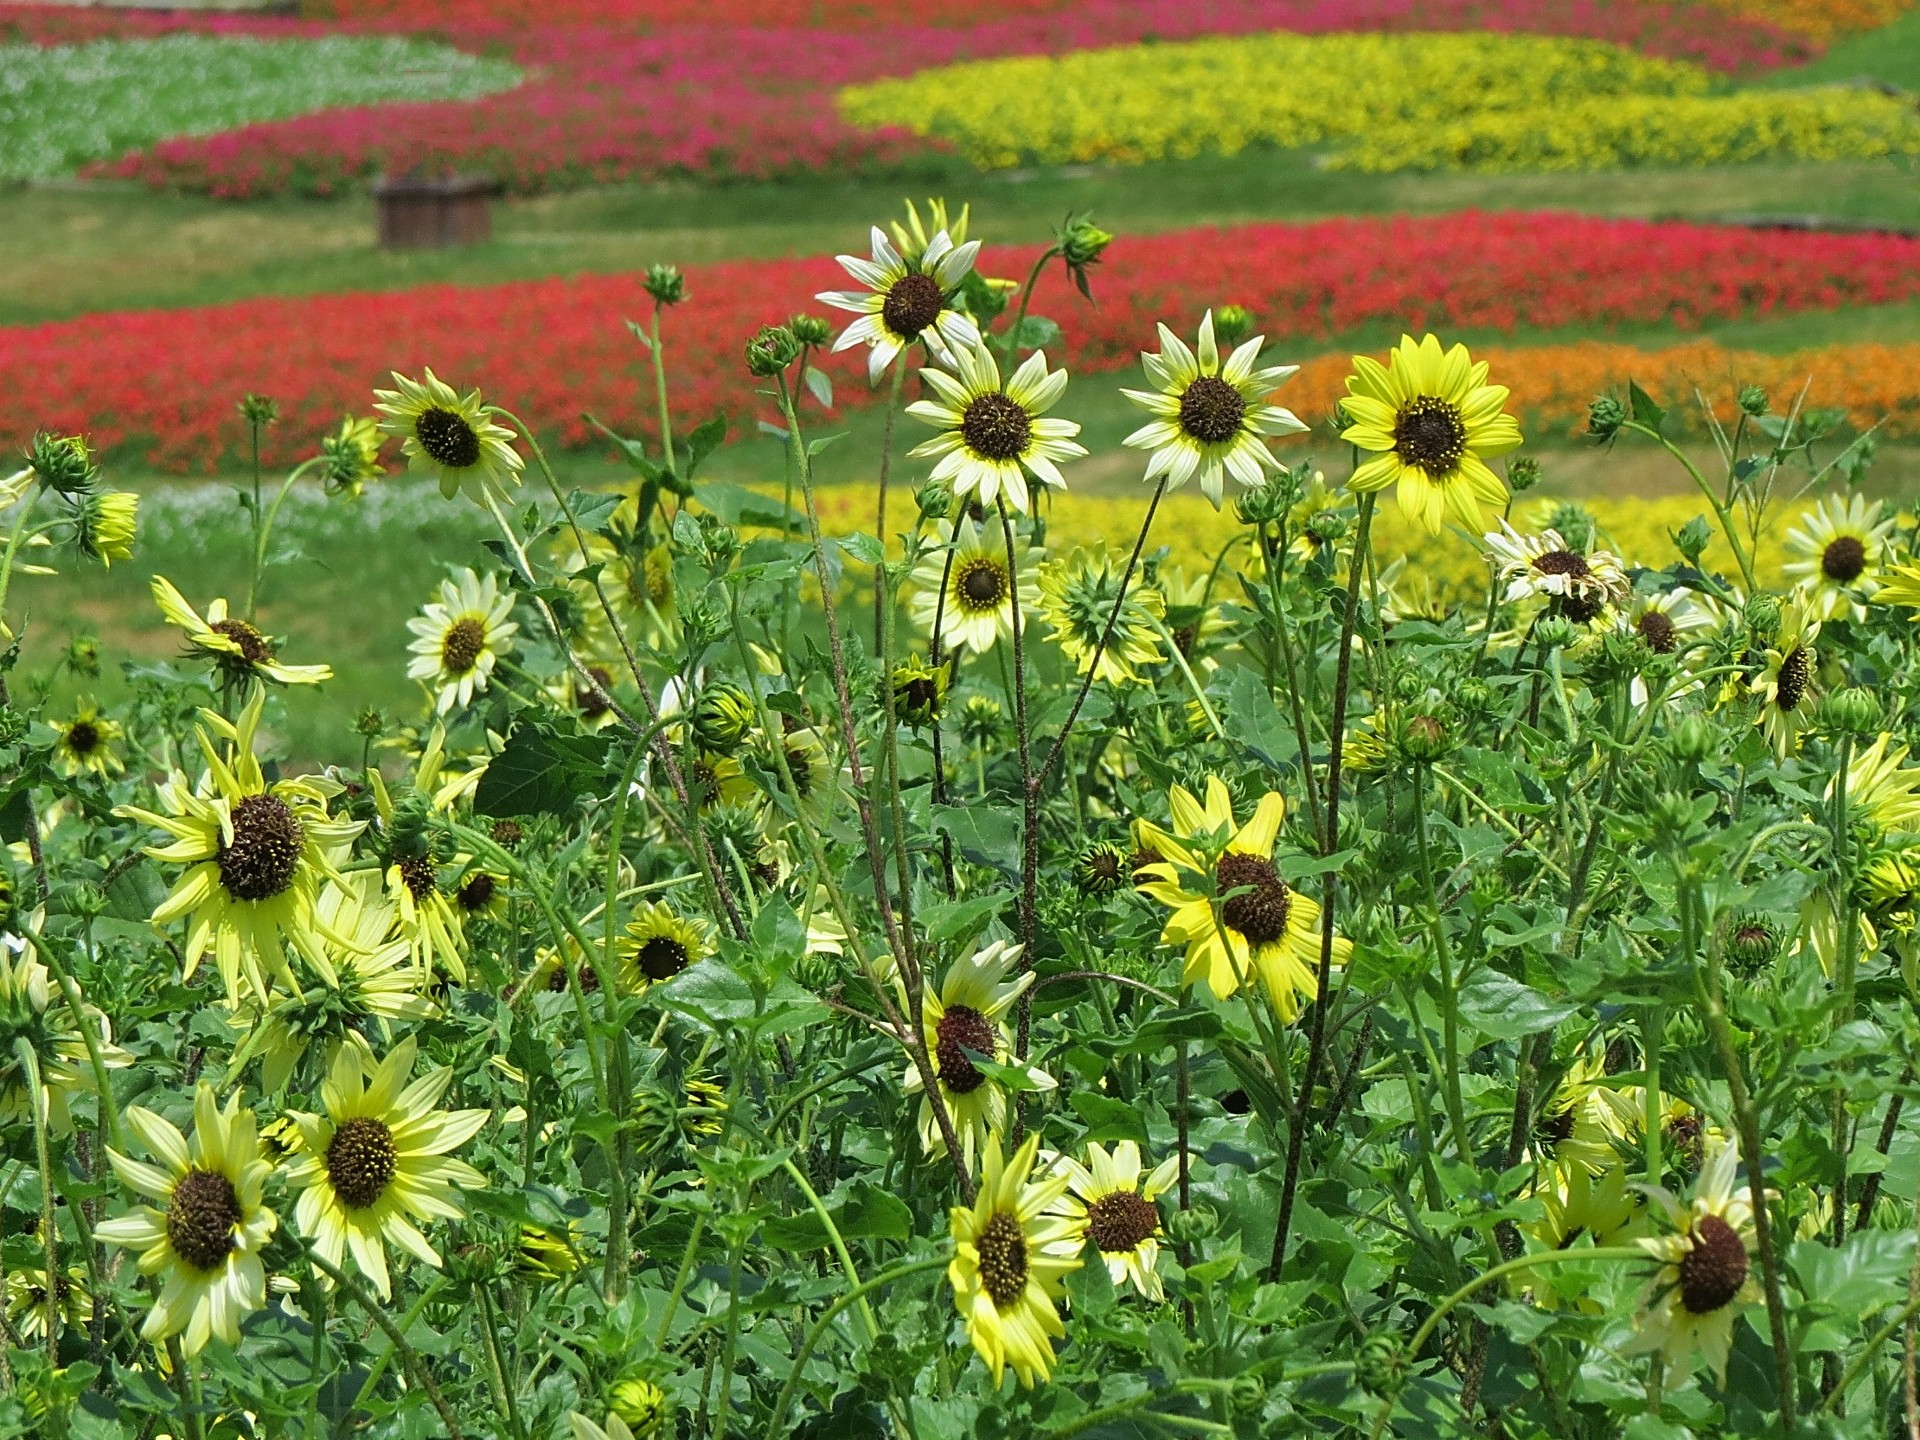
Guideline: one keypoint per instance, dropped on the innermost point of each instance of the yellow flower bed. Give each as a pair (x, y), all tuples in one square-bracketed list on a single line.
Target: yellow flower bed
[(1136, 103), (1416, 101), (1815, 124)]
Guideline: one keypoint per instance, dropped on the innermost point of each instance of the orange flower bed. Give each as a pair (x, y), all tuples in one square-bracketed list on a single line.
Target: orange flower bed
[(1818, 19)]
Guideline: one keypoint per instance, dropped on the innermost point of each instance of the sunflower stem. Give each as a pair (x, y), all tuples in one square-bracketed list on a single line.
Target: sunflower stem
[(1449, 995), (409, 1357), (898, 378), (1029, 808), (37, 1103), (264, 528)]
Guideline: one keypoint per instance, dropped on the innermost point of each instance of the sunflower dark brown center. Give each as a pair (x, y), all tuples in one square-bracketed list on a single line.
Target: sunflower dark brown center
[(661, 957), (460, 647), (478, 892), (1430, 434), (83, 737), (1137, 865), (420, 875), (1122, 1221), (361, 1161), (1843, 560), (264, 854), (1002, 1247), (1582, 607), (254, 648), (1712, 1272), (1555, 1129), (960, 1030), (919, 696), (913, 303), (508, 833), (447, 438), (800, 764), (1563, 562), (1259, 911), (1211, 410), (1657, 629), (996, 427), (589, 981), (1185, 638), (1796, 673), (982, 584), (1102, 868), (201, 1216)]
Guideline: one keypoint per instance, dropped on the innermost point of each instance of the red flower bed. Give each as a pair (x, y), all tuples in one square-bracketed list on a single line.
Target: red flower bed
[(607, 103), (164, 383)]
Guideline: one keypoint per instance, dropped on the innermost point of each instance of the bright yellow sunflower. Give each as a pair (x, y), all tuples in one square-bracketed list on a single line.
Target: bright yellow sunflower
[(85, 744), (1110, 1203), (238, 650), (1432, 422), (1010, 1262), (657, 944)]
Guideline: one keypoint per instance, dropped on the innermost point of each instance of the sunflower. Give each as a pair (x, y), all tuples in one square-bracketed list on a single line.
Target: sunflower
[(1882, 788), (1706, 1272), (238, 650), (27, 1308), (428, 920), (30, 1011), (1111, 1205), (461, 637), (635, 579), (965, 1018), (350, 457), (1432, 422), (1544, 567), (1208, 418), (1077, 597), (1839, 547), (1010, 1261), (907, 297), (979, 608), (992, 436), (589, 700), (377, 1161), (104, 524), (919, 691), (85, 744), (1786, 683), (255, 856), (206, 1236), (452, 435), (657, 944), (1263, 927), (1577, 1124), (1582, 1204)]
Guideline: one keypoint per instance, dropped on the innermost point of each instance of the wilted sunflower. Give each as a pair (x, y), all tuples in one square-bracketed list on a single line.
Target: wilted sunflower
[(1432, 422), (907, 295), (1077, 597), (1706, 1272), (85, 744), (1210, 418), (1110, 1203), (993, 436), (1010, 1262), (979, 605), (378, 1161), (1264, 927), (1786, 684), (964, 1018), (255, 856), (657, 944), (451, 435), (1576, 585), (206, 1237), (30, 1011), (461, 637), (238, 650), (1839, 547)]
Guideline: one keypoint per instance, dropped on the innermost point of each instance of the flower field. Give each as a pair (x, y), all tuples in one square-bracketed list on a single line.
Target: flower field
[(559, 345)]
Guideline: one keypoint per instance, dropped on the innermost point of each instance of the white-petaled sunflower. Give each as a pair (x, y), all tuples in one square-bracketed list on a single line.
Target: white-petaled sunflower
[(1786, 684), (378, 1160), (238, 650), (1663, 621), (1210, 418), (85, 743), (1264, 928), (993, 436), (906, 297), (460, 638), (1544, 567), (657, 944), (979, 603), (1112, 1205), (962, 1019), (1706, 1273), (255, 855), (1010, 1262), (205, 1238), (1839, 547), (1432, 423), (1077, 597), (451, 435), (30, 1010), (27, 1303)]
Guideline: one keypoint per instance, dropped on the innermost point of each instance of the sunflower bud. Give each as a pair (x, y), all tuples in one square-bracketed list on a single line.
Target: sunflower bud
[(103, 525), (1424, 738), (63, 463), (810, 330), (1193, 1225), (1854, 712), (83, 655), (723, 718), (1752, 400), (350, 457), (407, 837), (1763, 618), (934, 500), (1750, 941), (507, 833), (1605, 416), (1692, 538), (640, 1403), (1265, 504), (1102, 868), (1555, 632), (1081, 242), (980, 720), (1692, 739), (1232, 324), (665, 284), (1249, 1394), (919, 691), (771, 350), (1381, 1364), (1575, 524), (259, 410), (1523, 473)]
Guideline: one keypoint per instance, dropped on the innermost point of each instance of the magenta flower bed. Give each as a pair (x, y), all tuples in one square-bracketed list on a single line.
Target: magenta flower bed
[(607, 104)]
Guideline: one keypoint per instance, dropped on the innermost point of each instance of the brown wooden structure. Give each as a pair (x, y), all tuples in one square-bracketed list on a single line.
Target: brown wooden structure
[(434, 212)]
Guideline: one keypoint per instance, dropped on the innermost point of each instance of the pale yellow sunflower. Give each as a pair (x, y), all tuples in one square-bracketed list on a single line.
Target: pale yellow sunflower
[(1110, 1203), (1838, 549), (1785, 684), (452, 436), (1077, 597), (85, 743), (964, 1019), (460, 637), (993, 436), (907, 294), (237, 649), (979, 587)]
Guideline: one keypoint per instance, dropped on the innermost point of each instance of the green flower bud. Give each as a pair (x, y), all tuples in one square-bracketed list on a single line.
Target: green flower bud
[(1692, 740), (1193, 1225), (83, 655), (665, 284), (810, 329), (1249, 1394), (1763, 618), (1381, 1365), (771, 351), (369, 724), (1605, 416), (980, 720), (1692, 539), (1523, 473), (723, 718), (63, 463), (1753, 400), (1750, 942), (1081, 242), (1854, 711), (934, 499), (639, 1402), (1555, 632), (1424, 738), (1232, 324), (1102, 868), (261, 410)]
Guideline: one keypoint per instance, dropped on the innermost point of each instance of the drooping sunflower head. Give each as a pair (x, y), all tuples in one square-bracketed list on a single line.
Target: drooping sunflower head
[(237, 648), (454, 436), (657, 944)]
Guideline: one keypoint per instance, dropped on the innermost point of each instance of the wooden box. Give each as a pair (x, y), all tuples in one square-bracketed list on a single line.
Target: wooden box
[(434, 212)]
